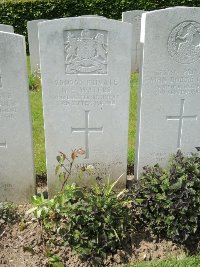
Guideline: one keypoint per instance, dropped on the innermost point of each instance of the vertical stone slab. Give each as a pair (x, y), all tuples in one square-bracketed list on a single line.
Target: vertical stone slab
[(169, 110), (17, 181), (134, 17), (6, 28), (85, 68), (32, 28)]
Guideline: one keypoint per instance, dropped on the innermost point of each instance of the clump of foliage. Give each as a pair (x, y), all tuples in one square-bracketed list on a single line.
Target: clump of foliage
[(34, 81), (93, 222), (7, 213), (168, 200)]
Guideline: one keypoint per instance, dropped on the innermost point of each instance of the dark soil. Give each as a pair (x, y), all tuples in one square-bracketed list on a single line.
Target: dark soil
[(24, 244)]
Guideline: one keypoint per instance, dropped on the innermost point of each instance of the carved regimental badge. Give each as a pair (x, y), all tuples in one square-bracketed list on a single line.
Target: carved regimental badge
[(86, 51), (184, 42)]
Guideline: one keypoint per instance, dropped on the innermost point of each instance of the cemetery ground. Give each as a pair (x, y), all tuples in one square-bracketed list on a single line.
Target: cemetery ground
[(23, 241)]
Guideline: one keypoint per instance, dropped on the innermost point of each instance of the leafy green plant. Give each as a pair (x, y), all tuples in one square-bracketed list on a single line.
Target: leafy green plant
[(93, 222), (168, 200), (99, 222), (7, 213), (54, 261)]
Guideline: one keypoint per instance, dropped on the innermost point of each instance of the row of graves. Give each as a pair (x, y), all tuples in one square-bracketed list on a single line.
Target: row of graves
[(85, 65)]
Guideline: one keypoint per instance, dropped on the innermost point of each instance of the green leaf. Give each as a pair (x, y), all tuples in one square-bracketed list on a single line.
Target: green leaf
[(57, 169), (58, 158), (61, 177), (178, 184)]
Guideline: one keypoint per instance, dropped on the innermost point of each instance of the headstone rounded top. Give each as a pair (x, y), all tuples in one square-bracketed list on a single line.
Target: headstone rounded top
[(133, 11), (92, 16), (6, 28), (175, 9), (36, 21)]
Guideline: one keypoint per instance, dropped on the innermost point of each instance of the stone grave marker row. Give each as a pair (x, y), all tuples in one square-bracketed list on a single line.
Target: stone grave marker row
[(85, 67)]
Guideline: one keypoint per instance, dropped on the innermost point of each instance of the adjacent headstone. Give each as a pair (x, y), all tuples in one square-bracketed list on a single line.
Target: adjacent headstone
[(32, 28), (134, 17), (85, 68), (169, 110), (17, 181), (6, 28)]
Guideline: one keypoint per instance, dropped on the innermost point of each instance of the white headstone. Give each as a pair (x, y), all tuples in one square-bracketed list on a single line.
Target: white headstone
[(134, 17), (32, 28), (6, 28), (169, 110), (17, 181), (85, 68)]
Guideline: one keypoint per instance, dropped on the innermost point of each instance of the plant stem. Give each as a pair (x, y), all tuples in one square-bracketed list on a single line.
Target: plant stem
[(67, 177)]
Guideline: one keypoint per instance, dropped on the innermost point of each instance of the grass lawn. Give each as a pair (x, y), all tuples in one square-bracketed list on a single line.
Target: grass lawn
[(132, 118), (38, 129), (187, 262)]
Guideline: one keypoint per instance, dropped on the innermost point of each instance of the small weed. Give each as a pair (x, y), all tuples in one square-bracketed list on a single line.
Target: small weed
[(54, 261), (34, 81), (61, 170)]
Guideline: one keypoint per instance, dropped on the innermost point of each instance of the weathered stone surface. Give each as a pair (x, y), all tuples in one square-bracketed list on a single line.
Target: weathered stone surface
[(85, 68), (32, 27), (169, 110), (17, 181), (6, 28), (134, 17)]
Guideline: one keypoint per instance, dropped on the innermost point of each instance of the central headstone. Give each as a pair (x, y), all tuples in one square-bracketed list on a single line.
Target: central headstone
[(169, 110), (85, 68)]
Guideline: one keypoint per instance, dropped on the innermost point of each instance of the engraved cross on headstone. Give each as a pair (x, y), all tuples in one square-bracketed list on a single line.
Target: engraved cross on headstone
[(180, 118), (87, 130)]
